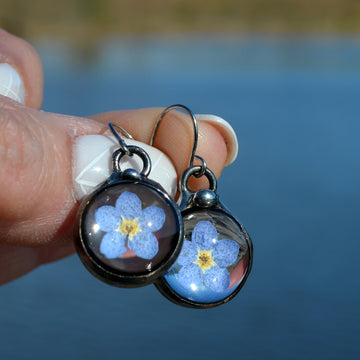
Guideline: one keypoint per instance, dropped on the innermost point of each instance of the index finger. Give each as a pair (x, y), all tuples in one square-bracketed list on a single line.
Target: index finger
[(175, 137)]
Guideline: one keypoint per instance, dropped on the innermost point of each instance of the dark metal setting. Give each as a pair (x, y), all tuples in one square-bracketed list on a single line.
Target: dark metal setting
[(89, 255), (187, 196), (125, 267), (130, 151), (166, 290), (203, 206)]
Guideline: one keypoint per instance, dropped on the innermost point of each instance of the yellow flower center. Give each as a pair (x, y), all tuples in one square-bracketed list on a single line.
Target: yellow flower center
[(205, 259), (129, 228)]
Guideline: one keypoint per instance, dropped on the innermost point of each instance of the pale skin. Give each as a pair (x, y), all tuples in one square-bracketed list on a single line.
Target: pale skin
[(37, 205)]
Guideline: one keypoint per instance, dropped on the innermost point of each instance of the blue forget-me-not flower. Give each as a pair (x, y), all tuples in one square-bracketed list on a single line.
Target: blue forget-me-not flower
[(127, 224), (204, 259)]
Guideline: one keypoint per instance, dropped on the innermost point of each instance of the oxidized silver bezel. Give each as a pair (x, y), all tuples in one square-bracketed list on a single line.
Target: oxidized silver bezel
[(196, 202), (176, 298), (101, 270)]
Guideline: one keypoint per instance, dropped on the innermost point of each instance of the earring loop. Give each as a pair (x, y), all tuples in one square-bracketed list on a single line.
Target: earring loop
[(195, 126), (203, 166), (123, 146)]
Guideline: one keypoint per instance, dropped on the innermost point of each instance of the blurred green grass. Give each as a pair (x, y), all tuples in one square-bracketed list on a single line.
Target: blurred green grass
[(86, 20)]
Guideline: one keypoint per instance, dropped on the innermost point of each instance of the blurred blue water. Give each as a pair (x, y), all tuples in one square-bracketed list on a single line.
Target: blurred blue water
[(294, 103)]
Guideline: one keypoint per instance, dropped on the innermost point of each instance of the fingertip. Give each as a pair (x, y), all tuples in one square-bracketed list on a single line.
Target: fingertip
[(227, 132), (212, 148), (175, 137), (21, 76)]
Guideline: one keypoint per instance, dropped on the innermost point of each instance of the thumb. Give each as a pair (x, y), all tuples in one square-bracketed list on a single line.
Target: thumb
[(35, 157)]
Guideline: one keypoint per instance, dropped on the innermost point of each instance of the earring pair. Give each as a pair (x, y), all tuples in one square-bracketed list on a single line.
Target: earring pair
[(132, 233)]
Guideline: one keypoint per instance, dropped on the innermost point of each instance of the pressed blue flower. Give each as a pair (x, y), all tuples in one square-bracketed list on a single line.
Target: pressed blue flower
[(128, 226), (204, 259)]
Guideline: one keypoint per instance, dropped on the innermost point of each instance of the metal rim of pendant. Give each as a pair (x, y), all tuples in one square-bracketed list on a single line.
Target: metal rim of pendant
[(166, 290), (107, 273), (89, 258), (191, 203)]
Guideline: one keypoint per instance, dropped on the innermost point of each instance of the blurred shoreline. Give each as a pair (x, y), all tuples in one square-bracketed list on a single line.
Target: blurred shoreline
[(84, 22)]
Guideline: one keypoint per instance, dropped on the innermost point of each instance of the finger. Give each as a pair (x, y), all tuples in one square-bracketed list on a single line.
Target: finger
[(175, 137), (37, 206), (21, 75)]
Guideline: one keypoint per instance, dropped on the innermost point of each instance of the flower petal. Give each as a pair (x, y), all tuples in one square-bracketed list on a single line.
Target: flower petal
[(145, 245), (190, 277), (217, 279), (113, 245), (129, 205), (108, 218), (188, 253), (204, 235), (226, 252), (152, 218)]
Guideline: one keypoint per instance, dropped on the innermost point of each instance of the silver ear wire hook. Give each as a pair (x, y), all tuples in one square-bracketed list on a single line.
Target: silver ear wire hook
[(195, 126), (123, 146)]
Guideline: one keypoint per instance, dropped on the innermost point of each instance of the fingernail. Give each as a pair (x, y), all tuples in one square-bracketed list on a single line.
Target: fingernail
[(226, 131), (11, 84), (92, 164)]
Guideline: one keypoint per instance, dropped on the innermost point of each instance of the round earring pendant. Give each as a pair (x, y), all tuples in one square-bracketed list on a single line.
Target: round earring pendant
[(214, 262), (130, 233)]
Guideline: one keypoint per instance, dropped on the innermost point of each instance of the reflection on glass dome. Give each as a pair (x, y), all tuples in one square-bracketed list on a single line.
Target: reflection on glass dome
[(213, 260)]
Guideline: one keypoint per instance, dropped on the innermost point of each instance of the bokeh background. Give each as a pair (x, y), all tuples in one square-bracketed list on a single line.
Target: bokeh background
[(286, 75)]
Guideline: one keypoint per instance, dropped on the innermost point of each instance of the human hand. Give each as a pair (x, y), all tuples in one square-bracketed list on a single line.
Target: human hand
[(37, 203)]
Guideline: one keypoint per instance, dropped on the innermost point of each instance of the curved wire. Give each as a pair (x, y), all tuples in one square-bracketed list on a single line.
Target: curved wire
[(123, 145), (195, 126)]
